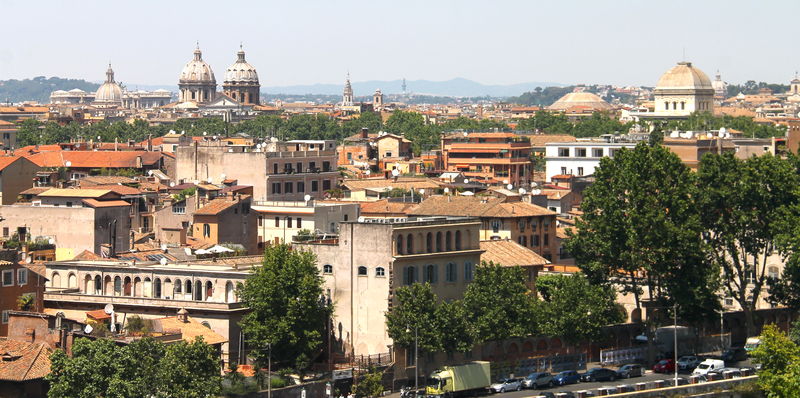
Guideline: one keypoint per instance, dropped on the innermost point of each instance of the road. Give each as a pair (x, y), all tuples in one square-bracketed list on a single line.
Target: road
[(588, 386)]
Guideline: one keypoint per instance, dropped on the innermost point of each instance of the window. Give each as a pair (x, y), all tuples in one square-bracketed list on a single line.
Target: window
[(327, 269), (326, 166), (179, 208), (496, 226), (409, 244), (299, 222), (597, 152), (580, 152), (5, 316), (410, 275), (458, 240), (547, 239), (524, 240), (666, 105), (206, 231), (277, 222), (69, 204), (5, 231), (22, 276), (8, 277), (299, 167), (380, 272), (450, 272), (274, 168), (314, 186), (118, 286), (521, 225), (535, 240), (301, 187), (580, 171), (431, 273), (683, 105), (362, 271), (563, 170), (276, 187), (399, 242), (260, 221), (326, 185), (563, 152), (288, 222), (469, 271), (288, 187)]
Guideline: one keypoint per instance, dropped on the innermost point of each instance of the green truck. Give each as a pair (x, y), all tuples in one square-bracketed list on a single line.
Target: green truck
[(459, 380)]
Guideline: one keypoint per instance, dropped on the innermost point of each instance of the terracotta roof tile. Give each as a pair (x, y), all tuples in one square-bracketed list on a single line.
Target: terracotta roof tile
[(5, 161), (386, 207), (119, 189), (217, 206), (190, 330), (105, 203), (74, 193), (94, 159), (477, 207), (509, 253), (106, 180), (23, 361), (404, 183)]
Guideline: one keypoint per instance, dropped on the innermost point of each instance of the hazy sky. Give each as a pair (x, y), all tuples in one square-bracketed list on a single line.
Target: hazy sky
[(489, 41)]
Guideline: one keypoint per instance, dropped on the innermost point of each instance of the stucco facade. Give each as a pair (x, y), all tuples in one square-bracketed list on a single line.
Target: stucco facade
[(16, 177)]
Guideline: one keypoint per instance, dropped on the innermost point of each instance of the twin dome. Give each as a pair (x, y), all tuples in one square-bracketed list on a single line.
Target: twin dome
[(199, 71)]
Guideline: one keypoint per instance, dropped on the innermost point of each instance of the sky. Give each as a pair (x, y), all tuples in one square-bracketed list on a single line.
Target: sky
[(319, 41)]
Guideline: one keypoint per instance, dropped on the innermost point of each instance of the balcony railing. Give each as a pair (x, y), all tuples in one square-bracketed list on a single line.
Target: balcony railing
[(74, 296)]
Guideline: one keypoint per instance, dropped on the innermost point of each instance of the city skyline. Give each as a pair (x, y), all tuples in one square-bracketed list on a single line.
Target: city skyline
[(618, 43)]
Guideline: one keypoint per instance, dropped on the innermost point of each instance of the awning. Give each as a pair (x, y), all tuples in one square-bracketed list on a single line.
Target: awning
[(98, 315)]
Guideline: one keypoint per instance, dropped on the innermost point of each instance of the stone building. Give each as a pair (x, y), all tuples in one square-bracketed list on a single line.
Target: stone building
[(197, 82), (241, 82), (109, 94), (682, 90)]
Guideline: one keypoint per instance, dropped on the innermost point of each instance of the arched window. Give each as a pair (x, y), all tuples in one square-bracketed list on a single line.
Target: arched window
[(56, 280), (666, 105), (362, 271), (206, 231), (198, 291), (229, 292), (98, 285), (88, 284), (431, 272), (157, 288), (108, 286), (127, 287), (429, 243), (380, 272), (117, 286), (327, 269), (188, 287), (137, 287), (458, 240), (209, 293), (683, 105), (399, 244), (72, 280), (438, 241), (410, 244), (448, 241), (177, 287)]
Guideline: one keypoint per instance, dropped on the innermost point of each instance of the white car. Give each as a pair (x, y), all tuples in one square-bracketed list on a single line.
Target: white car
[(509, 384)]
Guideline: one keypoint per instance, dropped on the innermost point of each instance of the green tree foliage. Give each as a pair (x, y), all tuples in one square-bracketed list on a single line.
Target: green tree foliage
[(542, 96), (457, 334), (499, 304), (142, 369), (575, 310), (415, 311), (412, 126), (39, 88), (707, 121), (369, 385), (748, 209), (597, 124), (751, 87), (641, 221), (368, 120), (283, 295), (779, 357)]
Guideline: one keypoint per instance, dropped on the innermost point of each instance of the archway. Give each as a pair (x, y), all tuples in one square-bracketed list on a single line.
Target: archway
[(229, 292)]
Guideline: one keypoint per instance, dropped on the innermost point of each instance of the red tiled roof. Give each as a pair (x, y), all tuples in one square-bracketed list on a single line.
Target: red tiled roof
[(98, 315), (105, 203), (94, 159), (217, 206), (386, 207), (509, 253), (23, 361), (7, 160)]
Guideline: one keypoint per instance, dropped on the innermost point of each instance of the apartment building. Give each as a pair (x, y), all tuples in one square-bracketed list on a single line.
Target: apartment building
[(16, 175), (17, 280), (227, 219), (490, 157), (284, 171), (579, 158), (280, 222)]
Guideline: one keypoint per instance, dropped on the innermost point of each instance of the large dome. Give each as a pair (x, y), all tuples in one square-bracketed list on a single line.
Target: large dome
[(241, 71), (582, 99), (197, 70), (109, 91), (684, 76)]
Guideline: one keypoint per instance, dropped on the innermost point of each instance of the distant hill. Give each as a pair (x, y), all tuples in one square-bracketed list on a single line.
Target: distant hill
[(39, 88), (458, 87)]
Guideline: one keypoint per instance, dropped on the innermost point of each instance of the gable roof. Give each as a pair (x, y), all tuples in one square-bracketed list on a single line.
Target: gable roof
[(384, 206), (95, 159), (403, 183), (74, 193), (509, 254), (218, 205), (477, 207), (5, 161), (23, 361)]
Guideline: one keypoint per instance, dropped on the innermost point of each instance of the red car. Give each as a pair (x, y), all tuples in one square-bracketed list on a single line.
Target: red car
[(664, 366)]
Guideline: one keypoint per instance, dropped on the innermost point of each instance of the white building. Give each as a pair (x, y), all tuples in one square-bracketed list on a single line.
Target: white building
[(579, 158), (280, 222)]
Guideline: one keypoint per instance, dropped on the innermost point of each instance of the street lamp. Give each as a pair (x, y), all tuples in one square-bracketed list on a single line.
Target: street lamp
[(269, 370), (675, 338), (416, 358)]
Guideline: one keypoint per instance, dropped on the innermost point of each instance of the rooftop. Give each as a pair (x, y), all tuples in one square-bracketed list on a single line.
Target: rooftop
[(22, 361), (478, 207), (510, 254)]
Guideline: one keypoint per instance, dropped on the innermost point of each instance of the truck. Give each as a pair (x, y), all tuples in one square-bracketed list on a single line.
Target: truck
[(459, 380)]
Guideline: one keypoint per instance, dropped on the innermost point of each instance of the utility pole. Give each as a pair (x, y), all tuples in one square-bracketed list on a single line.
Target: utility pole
[(269, 370)]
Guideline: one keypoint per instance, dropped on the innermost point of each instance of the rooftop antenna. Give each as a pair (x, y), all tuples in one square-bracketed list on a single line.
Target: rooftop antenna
[(404, 85)]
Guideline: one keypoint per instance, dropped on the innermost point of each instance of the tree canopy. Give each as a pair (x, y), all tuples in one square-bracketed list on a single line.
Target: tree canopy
[(288, 314), (143, 369), (779, 357)]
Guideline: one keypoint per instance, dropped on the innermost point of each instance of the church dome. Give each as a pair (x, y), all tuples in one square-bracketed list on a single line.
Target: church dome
[(197, 70), (241, 71), (109, 91), (580, 99), (684, 77)]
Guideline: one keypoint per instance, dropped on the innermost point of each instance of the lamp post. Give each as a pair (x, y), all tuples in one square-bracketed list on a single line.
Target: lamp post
[(721, 330), (269, 370), (675, 338), (416, 358)]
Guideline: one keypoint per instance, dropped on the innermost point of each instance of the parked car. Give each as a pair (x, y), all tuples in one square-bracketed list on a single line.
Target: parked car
[(664, 366), (630, 370), (688, 362), (538, 380), (599, 374), (734, 354), (708, 365), (566, 377), (509, 384)]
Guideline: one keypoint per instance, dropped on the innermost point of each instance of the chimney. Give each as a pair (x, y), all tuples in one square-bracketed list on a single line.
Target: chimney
[(116, 144), (149, 142), (183, 315), (364, 132)]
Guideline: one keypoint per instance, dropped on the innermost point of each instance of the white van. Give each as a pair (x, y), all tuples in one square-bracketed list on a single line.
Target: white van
[(707, 366)]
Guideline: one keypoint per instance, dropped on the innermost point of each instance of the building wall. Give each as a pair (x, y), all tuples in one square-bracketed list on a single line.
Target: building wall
[(537, 233), (15, 178), (167, 218), (9, 293), (557, 163)]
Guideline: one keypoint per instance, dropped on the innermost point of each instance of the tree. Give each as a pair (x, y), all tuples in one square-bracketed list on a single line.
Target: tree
[(26, 301), (779, 357), (575, 310), (287, 313), (457, 335), (415, 312), (641, 226), (412, 126), (747, 208), (142, 369), (499, 304), (369, 385)]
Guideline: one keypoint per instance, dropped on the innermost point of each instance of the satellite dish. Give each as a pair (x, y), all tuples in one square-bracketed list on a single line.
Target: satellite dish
[(28, 260), (172, 184), (307, 198), (88, 329), (422, 191), (446, 190), (536, 192), (209, 180), (367, 172), (222, 176), (205, 133), (466, 181), (51, 241), (522, 191), (505, 181), (395, 172), (109, 309), (150, 172), (67, 164), (98, 138), (163, 261), (510, 187)]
